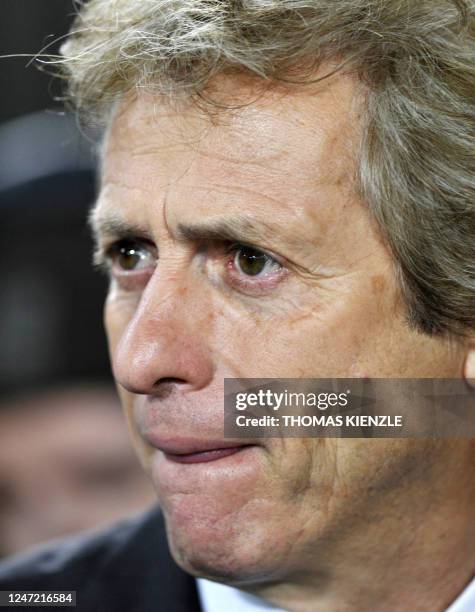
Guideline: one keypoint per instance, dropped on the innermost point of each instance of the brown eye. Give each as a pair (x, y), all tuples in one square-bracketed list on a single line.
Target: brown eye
[(253, 262), (128, 258), (129, 255)]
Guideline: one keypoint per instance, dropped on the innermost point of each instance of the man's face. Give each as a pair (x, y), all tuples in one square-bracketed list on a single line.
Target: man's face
[(188, 205)]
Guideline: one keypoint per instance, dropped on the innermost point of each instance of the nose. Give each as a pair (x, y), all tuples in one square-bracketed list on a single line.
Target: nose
[(165, 341)]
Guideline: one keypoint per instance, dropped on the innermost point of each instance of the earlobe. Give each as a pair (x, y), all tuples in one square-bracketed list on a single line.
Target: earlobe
[(469, 366)]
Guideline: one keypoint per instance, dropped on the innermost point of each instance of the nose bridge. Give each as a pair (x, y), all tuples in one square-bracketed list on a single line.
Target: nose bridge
[(163, 297), (167, 335)]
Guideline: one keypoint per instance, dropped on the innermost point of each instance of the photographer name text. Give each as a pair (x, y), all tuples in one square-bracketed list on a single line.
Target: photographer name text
[(360, 420)]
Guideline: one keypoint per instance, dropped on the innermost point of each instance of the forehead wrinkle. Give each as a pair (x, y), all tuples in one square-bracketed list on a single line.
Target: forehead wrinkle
[(292, 216), (121, 210), (107, 221), (234, 189), (256, 159), (106, 224), (328, 169), (240, 150)]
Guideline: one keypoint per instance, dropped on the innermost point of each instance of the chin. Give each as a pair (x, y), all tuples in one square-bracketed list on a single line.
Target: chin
[(220, 551)]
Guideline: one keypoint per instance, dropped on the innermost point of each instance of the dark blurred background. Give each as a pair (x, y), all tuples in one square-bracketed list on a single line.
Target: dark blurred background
[(50, 323), (27, 26), (65, 460)]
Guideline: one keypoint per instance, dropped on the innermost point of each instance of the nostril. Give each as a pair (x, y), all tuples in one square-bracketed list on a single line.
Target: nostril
[(164, 386)]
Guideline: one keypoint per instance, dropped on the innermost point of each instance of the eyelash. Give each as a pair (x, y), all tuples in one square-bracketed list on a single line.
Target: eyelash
[(259, 285), (134, 279), (103, 258)]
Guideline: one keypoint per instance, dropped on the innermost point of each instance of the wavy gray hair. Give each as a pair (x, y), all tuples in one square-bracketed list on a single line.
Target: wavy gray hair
[(416, 58)]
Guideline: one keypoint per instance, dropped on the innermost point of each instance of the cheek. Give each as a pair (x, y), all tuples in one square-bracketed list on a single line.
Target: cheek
[(143, 451), (118, 311), (312, 340), (324, 329)]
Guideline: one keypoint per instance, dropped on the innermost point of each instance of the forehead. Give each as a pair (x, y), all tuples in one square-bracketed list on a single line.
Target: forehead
[(281, 149), (246, 123)]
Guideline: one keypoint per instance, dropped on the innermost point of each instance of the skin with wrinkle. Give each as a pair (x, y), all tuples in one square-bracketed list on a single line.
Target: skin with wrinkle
[(291, 518)]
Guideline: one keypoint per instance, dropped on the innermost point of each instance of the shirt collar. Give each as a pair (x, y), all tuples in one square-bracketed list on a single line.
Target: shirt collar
[(466, 601), (216, 597)]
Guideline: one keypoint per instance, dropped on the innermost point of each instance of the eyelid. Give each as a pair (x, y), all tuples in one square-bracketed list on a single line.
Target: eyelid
[(282, 260), (258, 285), (104, 250), (232, 247)]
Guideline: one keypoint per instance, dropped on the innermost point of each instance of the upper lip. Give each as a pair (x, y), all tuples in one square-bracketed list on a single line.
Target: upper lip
[(188, 446)]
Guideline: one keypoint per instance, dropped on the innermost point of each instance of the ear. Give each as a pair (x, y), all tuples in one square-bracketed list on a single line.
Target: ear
[(469, 365)]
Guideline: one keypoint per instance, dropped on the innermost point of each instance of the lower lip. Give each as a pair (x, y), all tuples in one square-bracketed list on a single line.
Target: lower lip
[(205, 456)]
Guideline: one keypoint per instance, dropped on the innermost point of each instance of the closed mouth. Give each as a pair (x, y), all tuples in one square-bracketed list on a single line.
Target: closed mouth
[(193, 450)]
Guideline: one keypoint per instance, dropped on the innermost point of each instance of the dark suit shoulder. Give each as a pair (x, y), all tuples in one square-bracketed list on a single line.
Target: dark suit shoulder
[(125, 567), (77, 555)]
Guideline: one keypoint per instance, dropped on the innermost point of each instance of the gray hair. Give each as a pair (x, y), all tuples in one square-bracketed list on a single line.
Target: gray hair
[(416, 59)]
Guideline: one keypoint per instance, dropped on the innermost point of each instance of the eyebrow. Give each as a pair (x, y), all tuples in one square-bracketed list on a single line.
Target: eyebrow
[(236, 229), (114, 227)]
